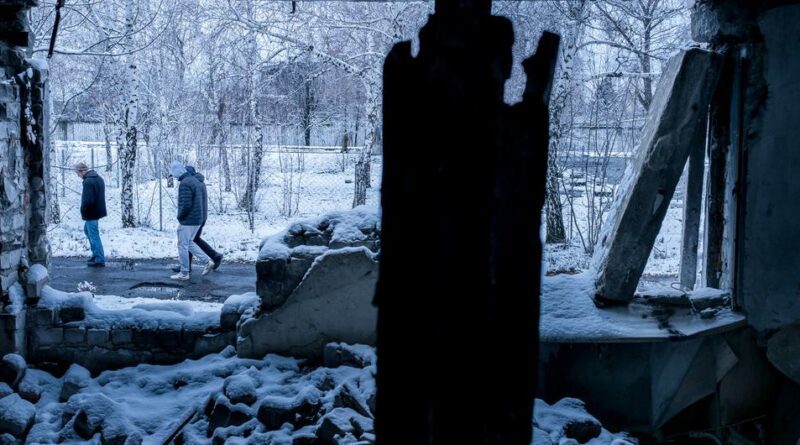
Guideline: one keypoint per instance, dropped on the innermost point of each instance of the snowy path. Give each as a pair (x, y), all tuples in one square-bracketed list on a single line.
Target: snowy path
[(150, 278)]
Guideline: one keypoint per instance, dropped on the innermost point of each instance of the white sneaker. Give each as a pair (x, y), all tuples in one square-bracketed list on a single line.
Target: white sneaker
[(210, 267), (181, 276)]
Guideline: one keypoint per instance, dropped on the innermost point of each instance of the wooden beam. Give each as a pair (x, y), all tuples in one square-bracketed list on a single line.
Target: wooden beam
[(692, 208), (718, 144)]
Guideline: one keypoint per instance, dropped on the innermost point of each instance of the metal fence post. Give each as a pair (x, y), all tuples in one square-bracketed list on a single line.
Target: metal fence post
[(160, 202), (63, 173)]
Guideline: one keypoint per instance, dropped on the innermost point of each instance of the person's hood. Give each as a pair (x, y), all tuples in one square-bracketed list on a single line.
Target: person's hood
[(177, 169), (90, 174), (193, 172)]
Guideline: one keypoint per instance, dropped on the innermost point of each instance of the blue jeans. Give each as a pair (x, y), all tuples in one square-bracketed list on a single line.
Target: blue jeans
[(92, 231)]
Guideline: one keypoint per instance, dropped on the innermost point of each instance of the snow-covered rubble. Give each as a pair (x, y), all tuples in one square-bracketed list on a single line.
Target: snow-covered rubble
[(359, 226), (221, 398), (164, 315)]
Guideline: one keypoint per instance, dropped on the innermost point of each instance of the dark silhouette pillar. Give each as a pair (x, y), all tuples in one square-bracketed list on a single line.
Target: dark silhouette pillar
[(462, 192)]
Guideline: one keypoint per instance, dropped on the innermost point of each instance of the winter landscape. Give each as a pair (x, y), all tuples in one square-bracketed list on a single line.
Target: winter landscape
[(278, 107)]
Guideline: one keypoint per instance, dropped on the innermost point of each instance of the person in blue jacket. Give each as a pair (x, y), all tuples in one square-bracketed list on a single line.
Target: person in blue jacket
[(215, 256), (93, 208), (190, 218)]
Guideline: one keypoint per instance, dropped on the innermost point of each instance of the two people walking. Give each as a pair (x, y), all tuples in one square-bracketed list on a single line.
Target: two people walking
[(192, 216)]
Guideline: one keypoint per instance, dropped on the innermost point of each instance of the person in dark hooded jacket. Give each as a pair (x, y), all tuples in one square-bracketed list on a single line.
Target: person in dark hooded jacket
[(204, 246), (93, 208), (190, 218)]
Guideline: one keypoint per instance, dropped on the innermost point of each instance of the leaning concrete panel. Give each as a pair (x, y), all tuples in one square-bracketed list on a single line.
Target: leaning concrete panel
[(676, 122), (333, 303)]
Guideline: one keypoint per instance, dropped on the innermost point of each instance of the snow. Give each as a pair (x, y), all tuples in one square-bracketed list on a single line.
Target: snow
[(17, 297), (273, 248), (15, 360), (181, 308), (708, 293), (150, 401), (165, 315), (37, 272), (5, 390), (345, 227), (239, 387), (15, 413), (568, 314), (38, 63), (115, 302), (240, 303), (552, 420), (322, 187)]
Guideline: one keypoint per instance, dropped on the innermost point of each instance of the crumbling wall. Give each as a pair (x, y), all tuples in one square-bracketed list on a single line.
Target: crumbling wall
[(315, 282), (758, 132), (65, 328), (762, 184), (23, 236)]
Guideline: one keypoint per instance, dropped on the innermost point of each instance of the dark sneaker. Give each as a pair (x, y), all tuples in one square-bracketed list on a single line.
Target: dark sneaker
[(93, 264), (217, 262), (90, 260)]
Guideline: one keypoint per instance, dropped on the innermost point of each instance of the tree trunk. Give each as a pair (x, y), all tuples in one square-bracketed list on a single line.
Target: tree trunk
[(52, 188), (554, 211), (363, 166), (222, 137), (109, 155), (128, 158), (248, 201), (308, 106)]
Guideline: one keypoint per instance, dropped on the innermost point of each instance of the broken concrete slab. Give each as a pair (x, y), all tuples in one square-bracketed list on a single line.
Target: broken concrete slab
[(663, 296), (332, 303), (783, 351), (709, 298), (676, 123)]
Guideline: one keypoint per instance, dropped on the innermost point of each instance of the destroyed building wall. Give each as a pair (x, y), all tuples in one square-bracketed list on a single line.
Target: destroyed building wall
[(23, 235), (769, 282), (762, 214), (62, 336)]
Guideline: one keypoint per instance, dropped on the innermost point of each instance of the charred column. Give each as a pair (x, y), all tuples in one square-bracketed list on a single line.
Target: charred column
[(458, 292)]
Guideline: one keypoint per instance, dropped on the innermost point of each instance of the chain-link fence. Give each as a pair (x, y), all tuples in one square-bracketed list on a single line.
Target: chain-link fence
[(293, 181)]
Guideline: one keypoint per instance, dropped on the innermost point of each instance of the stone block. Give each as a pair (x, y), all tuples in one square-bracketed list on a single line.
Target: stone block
[(70, 314), (75, 335), (97, 337), (48, 336), (41, 316), (121, 337)]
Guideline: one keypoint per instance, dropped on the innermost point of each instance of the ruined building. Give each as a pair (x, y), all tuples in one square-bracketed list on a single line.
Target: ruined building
[(724, 357)]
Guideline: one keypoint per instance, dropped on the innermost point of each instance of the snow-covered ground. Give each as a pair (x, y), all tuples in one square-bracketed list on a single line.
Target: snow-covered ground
[(664, 261), (319, 188), (223, 398)]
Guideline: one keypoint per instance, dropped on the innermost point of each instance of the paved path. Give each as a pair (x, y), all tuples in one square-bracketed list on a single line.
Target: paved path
[(150, 278)]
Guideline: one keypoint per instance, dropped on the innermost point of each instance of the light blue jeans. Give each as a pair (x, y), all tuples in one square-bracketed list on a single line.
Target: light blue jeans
[(186, 244), (92, 230)]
